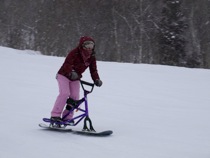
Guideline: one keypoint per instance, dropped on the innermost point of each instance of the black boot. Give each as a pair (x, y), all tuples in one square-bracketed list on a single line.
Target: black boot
[(56, 119), (55, 122)]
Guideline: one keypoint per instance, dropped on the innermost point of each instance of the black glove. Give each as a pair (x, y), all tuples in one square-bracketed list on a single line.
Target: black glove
[(74, 76), (98, 82)]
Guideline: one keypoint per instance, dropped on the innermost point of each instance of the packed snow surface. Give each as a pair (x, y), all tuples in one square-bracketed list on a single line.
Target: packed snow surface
[(154, 111)]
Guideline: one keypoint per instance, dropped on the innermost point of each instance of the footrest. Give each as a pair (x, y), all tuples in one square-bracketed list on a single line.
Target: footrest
[(59, 123)]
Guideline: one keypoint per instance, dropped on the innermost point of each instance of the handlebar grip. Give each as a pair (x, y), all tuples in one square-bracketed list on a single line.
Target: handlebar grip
[(87, 83)]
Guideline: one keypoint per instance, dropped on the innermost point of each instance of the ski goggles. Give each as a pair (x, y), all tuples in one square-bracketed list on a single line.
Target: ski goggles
[(88, 44)]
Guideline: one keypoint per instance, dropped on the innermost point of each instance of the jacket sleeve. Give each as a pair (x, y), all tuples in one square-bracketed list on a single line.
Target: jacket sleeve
[(93, 69)]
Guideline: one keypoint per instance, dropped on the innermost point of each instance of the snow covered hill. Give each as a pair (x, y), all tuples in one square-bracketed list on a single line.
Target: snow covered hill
[(155, 111)]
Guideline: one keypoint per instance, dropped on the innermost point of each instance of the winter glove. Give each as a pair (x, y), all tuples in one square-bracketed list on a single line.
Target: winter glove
[(98, 82), (74, 76)]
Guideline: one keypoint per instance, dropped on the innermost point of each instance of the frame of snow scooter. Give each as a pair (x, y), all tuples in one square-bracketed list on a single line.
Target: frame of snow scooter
[(75, 105)]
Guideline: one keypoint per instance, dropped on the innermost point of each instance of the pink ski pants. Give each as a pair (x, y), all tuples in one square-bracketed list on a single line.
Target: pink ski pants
[(67, 88)]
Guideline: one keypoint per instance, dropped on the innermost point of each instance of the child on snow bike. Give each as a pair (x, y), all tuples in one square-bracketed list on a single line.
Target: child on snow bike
[(69, 75)]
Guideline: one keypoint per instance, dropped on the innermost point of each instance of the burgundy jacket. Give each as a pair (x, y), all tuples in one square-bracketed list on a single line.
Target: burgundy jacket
[(77, 61)]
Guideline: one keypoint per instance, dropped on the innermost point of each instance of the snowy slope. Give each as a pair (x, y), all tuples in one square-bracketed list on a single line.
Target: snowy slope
[(155, 111)]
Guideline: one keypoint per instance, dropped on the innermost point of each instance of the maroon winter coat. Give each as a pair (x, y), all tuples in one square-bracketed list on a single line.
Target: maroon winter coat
[(78, 61)]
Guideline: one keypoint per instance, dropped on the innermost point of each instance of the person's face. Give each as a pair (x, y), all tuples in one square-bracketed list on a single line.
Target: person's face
[(88, 45)]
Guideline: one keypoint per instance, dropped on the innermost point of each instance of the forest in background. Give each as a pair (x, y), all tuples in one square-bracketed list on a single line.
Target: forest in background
[(169, 32)]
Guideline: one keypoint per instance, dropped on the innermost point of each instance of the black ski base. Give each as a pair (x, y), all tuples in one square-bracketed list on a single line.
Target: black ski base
[(87, 133)]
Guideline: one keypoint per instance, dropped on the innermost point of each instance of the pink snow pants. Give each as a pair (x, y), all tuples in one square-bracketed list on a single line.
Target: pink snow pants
[(67, 88)]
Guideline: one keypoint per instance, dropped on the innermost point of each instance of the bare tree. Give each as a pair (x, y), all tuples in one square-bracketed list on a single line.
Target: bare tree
[(125, 31)]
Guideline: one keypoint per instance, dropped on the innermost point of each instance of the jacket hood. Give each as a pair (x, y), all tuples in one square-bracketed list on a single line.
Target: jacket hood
[(83, 39)]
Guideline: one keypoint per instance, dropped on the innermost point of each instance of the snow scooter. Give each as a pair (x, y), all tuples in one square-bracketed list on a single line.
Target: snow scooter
[(76, 105)]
